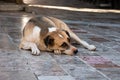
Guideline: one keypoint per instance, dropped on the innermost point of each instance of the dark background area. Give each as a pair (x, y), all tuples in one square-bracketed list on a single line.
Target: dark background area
[(109, 4)]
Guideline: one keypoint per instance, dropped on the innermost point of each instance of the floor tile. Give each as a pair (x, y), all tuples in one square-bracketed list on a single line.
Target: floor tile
[(17, 75)]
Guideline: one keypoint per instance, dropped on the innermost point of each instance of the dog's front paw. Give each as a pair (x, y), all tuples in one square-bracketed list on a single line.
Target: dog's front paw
[(58, 52), (92, 47), (35, 51)]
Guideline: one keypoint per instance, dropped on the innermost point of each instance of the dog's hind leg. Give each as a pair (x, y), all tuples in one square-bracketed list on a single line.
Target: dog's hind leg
[(30, 45), (80, 41)]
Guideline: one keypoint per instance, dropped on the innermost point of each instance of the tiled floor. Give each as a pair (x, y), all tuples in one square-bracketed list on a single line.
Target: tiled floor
[(102, 64)]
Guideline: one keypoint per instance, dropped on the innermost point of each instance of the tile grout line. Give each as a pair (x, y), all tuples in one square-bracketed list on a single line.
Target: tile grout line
[(66, 71), (63, 68), (16, 47), (35, 76)]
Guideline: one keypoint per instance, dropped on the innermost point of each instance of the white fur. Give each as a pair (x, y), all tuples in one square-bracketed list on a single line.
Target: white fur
[(24, 21), (85, 44), (60, 35), (32, 46), (36, 32), (91, 47), (52, 29), (35, 50), (34, 35)]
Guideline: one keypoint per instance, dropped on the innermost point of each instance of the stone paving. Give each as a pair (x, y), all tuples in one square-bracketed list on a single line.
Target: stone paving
[(102, 64)]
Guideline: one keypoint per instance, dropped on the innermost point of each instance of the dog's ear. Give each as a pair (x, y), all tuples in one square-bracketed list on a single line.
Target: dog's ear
[(49, 41), (67, 33)]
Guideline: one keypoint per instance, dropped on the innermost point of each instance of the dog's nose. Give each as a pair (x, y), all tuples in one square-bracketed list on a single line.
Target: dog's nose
[(76, 51)]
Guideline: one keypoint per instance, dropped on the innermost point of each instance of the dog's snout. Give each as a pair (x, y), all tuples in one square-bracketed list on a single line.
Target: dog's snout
[(76, 51)]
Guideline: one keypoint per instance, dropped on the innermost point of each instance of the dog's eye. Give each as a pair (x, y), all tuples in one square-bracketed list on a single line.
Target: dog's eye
[(64, 45), (68, 39)]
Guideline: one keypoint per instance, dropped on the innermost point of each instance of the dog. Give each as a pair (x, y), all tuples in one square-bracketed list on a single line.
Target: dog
[(50, 34)]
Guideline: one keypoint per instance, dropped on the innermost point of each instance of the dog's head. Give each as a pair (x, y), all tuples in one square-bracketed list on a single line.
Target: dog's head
[(59, 42)]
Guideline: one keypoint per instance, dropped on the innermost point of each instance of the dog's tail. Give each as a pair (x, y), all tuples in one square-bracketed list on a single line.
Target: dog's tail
[(80, 41)]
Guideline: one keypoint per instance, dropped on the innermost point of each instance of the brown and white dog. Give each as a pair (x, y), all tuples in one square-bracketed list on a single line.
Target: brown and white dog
[(50, 34)]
